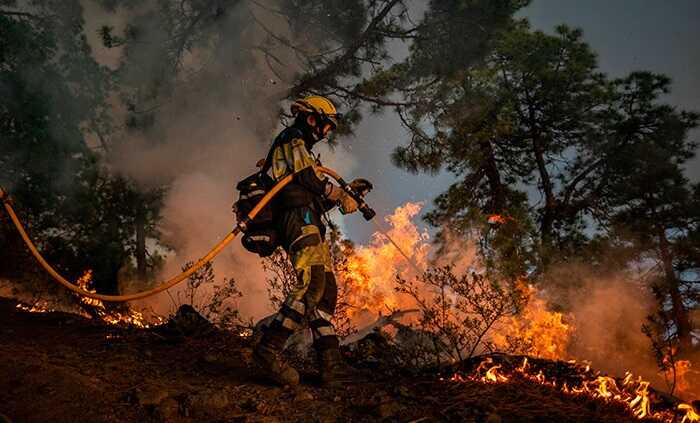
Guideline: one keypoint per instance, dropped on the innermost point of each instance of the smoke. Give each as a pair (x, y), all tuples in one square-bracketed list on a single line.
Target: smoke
[(215, 126), (608, 313), (208, 133), (95, 17), (208, 129), (457, 252), (607, 310)]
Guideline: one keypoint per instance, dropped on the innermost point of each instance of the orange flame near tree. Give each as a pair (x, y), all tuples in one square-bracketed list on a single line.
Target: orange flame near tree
[(681, 374), (372, 269), (131, 317), (543, 333), (539, 332), (496, 219)]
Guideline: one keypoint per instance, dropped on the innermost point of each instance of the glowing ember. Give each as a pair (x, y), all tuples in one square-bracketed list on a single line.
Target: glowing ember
[(245, 333), (38, 307), (496, 219), (633, 393), (130, 318)]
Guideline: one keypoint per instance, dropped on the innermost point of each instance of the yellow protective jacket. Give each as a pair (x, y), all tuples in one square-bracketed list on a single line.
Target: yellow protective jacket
[(290, 154)]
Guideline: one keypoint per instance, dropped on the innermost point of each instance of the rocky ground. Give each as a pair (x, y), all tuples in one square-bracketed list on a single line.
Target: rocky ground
[(64, 368)]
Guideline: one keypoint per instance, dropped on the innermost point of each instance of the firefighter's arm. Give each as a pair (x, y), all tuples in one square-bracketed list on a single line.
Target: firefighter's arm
[(305, 174), (304, 169)]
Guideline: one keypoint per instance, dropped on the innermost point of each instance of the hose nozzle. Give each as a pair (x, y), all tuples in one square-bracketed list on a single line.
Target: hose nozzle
[(357, 190), (367, 212)]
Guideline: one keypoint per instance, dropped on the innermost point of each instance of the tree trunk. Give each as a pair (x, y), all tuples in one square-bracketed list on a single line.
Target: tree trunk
[(678, 310), (550, 205), (493, 175), (550, 202), (141, 244)]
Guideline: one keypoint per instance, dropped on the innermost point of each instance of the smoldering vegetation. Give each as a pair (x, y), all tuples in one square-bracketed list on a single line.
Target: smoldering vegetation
[(149, 112)]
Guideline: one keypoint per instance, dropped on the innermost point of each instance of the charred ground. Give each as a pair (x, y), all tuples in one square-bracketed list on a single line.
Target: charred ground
[(64, 368)]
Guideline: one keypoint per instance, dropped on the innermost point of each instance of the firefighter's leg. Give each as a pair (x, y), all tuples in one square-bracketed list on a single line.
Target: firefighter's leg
[(318, 291), (268, 352), (311, 260), (320, 318), (334, 369), (303, 243)]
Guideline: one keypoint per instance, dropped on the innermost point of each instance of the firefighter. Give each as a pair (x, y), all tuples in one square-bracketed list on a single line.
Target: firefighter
[(300, 206)]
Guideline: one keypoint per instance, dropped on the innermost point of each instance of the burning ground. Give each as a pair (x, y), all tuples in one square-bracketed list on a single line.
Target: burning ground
[(64, 368), (117, 364)]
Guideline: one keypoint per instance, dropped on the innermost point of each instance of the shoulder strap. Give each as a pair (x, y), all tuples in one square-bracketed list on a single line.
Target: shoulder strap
[(287, 135)]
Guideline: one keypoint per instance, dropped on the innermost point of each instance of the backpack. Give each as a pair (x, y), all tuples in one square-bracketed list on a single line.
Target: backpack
[(260, 235)]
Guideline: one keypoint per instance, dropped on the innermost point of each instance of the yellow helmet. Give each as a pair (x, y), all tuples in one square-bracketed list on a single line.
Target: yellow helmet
[(316, 104)]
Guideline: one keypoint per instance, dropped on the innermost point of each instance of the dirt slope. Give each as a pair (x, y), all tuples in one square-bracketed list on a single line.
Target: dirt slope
[(63, 368)]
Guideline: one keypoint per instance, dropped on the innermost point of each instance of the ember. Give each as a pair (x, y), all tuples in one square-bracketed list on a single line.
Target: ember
[(575, 379), (130, 318), (496, 219), (38, 307)]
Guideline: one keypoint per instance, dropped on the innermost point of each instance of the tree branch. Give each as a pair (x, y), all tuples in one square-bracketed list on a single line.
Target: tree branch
[(336, 64), (25, 15)]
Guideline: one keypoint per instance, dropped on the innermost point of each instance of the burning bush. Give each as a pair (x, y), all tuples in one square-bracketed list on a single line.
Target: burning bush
[(460, 311)]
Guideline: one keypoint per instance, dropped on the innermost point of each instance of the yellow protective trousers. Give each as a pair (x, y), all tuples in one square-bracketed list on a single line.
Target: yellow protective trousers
[(313, 298)]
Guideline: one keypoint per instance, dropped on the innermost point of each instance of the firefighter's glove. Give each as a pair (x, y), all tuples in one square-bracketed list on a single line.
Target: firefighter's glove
[(346, 203), (361, 186)]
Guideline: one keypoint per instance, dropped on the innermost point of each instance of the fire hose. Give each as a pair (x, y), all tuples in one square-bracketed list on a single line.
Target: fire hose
[(366, 211)]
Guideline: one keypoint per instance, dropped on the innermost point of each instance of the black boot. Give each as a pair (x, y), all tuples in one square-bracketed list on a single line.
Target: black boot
[(268, 356), (335, 372)]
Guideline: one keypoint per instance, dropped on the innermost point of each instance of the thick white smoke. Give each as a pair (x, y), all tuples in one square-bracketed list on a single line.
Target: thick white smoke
[(209, 135)]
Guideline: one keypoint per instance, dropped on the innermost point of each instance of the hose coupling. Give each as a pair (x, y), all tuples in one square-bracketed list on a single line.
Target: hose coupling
[(242, 224)]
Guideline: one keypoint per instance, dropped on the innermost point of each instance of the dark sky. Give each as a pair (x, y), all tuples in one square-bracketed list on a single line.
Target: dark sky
[(628, 35)]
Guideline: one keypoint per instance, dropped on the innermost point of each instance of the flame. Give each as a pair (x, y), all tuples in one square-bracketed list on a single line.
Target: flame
[(496, 219), (632, 392), (690, 414), (131, 318), (681, 372), (492, 374), (370, 272), (37, 307), (371, 269), (538, 331)]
